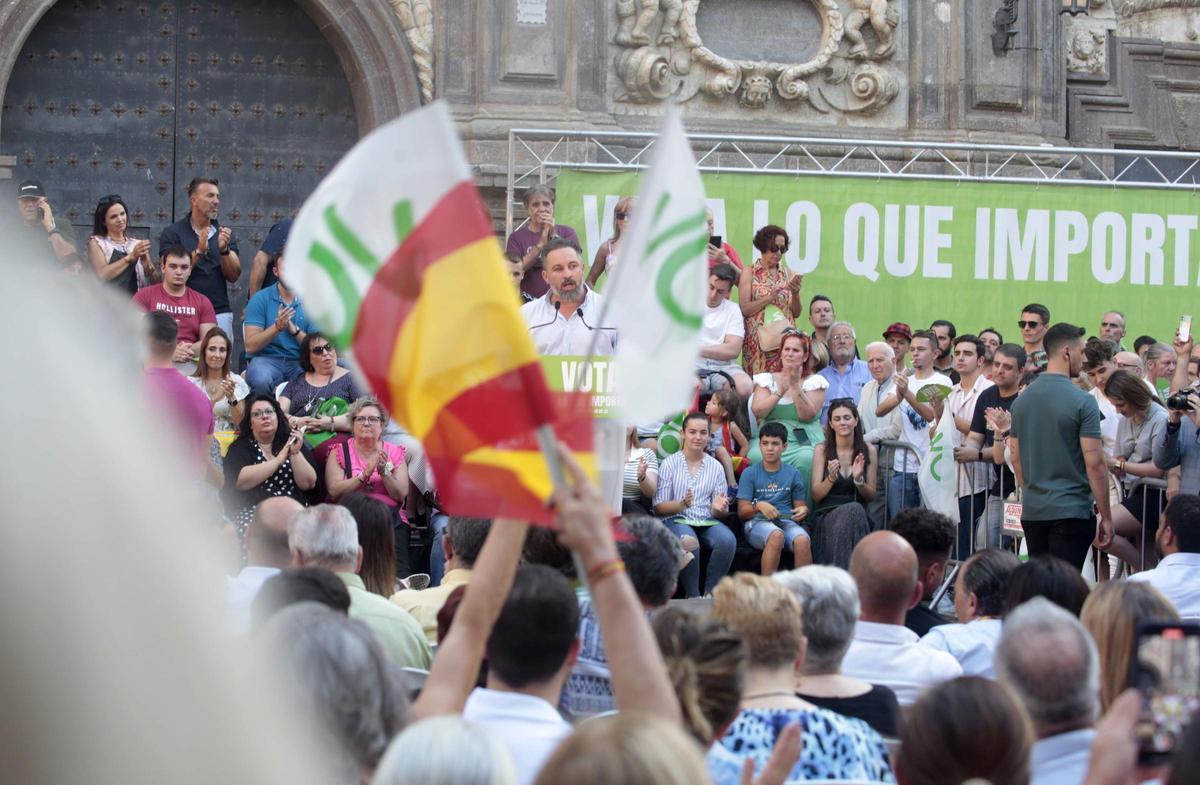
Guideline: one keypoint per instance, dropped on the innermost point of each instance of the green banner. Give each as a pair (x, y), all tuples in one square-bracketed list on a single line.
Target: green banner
[(974, 253), (570, 373)]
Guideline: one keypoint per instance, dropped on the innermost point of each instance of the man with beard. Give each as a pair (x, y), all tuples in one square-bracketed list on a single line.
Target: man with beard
[(991, 342), (565, 319), (944, 362), (846, 373)]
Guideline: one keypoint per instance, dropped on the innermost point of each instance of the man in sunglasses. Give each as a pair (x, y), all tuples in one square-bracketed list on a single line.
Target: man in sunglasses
[(1034, 321)]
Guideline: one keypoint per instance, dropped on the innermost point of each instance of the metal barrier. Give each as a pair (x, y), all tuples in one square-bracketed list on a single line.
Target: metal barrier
[(1148, 483), (891, 445)]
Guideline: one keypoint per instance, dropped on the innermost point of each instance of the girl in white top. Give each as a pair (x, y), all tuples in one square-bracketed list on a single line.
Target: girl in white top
[(606, 256)]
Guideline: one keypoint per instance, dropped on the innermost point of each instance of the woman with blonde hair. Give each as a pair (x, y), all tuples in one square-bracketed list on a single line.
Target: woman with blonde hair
[(1111, 614), (606, 254), (769, 619), (626, 749)]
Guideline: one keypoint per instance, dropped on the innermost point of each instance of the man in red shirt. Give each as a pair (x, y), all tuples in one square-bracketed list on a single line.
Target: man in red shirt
[(192, 311)]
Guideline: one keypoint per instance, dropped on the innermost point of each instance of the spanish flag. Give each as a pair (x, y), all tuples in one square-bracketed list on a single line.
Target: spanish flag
[(394, 256)]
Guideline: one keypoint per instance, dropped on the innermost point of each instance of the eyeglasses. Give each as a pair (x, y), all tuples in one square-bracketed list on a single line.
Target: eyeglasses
[(620, 216), (840, 337), (1129, 366), (1029, 325), (1114, 325), (111, 198), (322, 349), (780, 248), (262, 414), (841, 402), (794, 331), (368, 420)]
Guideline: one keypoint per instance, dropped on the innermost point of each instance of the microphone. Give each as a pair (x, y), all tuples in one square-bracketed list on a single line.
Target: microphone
[(585, 324), (552, 320)]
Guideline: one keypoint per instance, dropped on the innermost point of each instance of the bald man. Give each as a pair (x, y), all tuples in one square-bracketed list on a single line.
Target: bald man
[(1129, 361), (267, 554), (884, 651)]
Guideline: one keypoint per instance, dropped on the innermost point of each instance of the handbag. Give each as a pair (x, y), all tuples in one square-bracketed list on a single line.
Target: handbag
[(770, 332), (325, 407)]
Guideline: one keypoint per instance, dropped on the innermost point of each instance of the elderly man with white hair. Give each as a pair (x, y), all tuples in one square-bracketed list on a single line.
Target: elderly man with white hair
[(326, 536), (829, 600), (845, 373), (881, 364), (1048, 659)]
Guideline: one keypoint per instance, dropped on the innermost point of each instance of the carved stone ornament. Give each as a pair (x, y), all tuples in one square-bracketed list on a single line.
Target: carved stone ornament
[(663, 58), (416, 19), (1086, 51), (1131, 7)]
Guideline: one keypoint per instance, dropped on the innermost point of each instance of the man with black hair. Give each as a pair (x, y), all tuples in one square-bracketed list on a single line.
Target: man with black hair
[(722, 331), (564, 320), (1058, 456), (1035, 318), (190, 309), (1142, 343), (992, 340), (821, 317), (462, 542), (770, 502), (979, 593), (931, 535), (262, 272), (275, 324), (1178, 544), (989, 430), (944, 361), (975, 474), (172, 401), (530, 653)]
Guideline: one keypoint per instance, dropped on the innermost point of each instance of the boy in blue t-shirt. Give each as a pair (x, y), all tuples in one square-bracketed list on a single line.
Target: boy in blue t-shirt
[(771, 502)]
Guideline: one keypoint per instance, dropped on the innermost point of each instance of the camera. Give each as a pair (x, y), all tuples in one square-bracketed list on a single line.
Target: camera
[(1179, 401)]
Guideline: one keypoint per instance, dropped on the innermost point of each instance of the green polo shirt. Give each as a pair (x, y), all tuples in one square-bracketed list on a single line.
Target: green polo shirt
[(397, 630)]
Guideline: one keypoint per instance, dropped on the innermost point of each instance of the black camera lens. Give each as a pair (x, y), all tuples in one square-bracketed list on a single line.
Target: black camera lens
[(1179, 401)]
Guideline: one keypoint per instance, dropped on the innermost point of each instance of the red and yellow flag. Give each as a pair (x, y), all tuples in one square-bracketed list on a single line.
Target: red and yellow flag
[(394, 254)]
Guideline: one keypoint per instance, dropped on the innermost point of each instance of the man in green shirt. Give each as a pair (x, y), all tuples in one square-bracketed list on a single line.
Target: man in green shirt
[(1058, 457), (326, 536)]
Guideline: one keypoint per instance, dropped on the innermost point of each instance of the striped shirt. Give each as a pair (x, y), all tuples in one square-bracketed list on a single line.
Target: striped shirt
[(630, 487), (674, 481)]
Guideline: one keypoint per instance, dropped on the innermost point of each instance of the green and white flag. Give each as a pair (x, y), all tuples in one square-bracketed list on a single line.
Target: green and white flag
[(657, 294), (938, 474)]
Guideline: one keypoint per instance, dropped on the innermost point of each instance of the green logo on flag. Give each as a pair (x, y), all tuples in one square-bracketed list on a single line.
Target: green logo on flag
[(694, 229)]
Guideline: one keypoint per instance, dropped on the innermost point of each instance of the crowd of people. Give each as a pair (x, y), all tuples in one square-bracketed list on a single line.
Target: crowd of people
[(676, 645)]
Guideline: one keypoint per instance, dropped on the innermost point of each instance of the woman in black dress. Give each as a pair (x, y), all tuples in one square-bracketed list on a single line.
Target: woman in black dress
[(844, 467)]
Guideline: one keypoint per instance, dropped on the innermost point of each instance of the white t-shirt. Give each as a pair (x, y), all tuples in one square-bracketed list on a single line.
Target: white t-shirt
[(914, 428), (725, 319)]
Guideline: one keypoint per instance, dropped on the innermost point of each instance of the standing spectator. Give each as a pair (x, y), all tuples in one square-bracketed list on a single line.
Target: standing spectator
[(44, 235), (1058, 457), (190, 309), (116, 257), (723, 255), (275, 325), (1112, 328), (992, 341), (770, 502), (1035, 319), (225, 390), (1112, 614), (690, 496), (1160, 366), (876, 428), (944, 362), (1177, 575), (170, 398), (463, 541), (262, 269), (322, 379), (530, 240), (898, 336), (915, 417), (722, 331), (979, 593), (793, 397), (1099, 364), (763, 286), (606, 254), (846, 373), (931, 536), (212, 248), (974, 475), (1143, 423), (1179, 446), (844, 471), (821, 317), (1048, 659), (884, 651), (556, 318), (1142, 343)]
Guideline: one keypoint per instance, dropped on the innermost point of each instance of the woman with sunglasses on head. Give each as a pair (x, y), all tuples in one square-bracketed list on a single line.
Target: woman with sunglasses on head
[(606, 256), (843, 483), (763, 285), (116, 257), (322, 379), (226, 390)]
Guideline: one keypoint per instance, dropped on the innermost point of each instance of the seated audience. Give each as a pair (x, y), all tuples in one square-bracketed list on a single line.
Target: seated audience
[(769, 619), (625, 750), (728, 442), (170, 399), (322, 379), (275, 324), (292, 586), (771, 504), (462, 541), (264, 461), (843, 484), (225, 390), (326, 536), (1111, 614), (1050, 577), (884, 651), (190, 309), (652, 556), (375, 521), (769, 297), (266, 554), (1049, 661), (722, 331), (1177, 541), (367, 464), (829, 608), (968, 729), (332, 671), (639, 481), (979, 593), (445, 751), (690, 496), (530, 653), (606, 254), (931, 536)]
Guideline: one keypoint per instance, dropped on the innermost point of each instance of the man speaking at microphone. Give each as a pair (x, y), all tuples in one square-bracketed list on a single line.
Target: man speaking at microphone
[(567, 318)]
